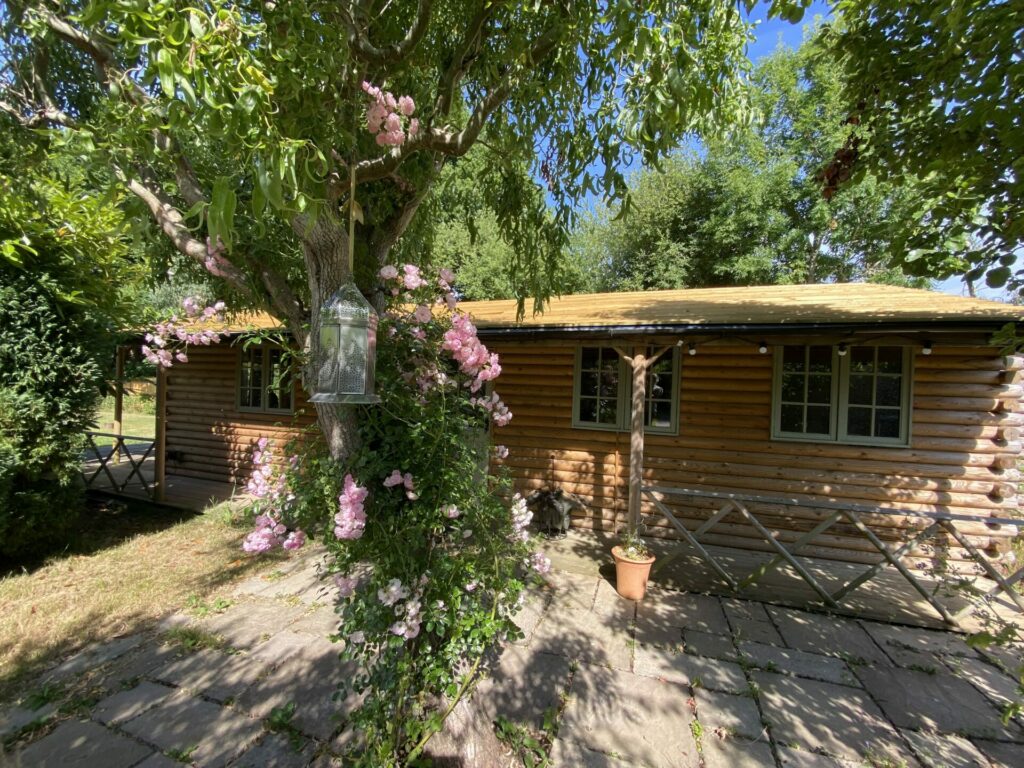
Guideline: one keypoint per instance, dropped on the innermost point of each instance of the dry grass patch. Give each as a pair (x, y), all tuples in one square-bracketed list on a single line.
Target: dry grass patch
[(133, 565)]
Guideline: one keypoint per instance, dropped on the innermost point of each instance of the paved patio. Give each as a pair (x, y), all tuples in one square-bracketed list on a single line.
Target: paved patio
[(678, 680)]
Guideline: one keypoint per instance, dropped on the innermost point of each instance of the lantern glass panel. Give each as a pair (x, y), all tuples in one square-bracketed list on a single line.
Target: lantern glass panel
[(348, 335)]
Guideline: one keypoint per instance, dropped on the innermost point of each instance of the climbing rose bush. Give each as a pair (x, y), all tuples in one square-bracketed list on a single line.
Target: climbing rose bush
[(430, 550), (169, 341)]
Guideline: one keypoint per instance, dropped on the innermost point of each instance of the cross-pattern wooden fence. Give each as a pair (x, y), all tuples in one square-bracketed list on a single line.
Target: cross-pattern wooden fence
[(833, 512), (119, 449)]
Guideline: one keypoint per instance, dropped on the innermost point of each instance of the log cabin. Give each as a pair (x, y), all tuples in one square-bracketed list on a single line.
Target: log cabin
[(874, 396)]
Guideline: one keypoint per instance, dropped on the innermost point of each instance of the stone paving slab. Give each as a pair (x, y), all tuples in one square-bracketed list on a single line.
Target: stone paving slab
[(708, 644), (275, 751), (840, 720), (727, 714), (247, 623), (752, 630), (828, 635), (129, 668), (642, 720), (799, 663), (524, 687), (736, 753), (566, 753), (95, 655), (993, 682), (215, 674), (579, 634), (941, 702), (211, 735), (944, 750), (917, 639), (131, 703), (750, 610), (1002, 754), (801, 758), (663, 608), (158, 760), (14, 718), (82, 743), (571, 591), (696, 670)]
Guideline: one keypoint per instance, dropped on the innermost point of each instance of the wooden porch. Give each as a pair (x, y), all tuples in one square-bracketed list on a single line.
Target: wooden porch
[(181, 492)]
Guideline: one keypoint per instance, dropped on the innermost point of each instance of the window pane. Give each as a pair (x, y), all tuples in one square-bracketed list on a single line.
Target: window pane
[(887, 390), (610, 362), (609, 384), (792, 358), (589, 357), (588, 410), (662, 414), (607, 411), (820, 359), (588, 383), (792, 418), (858, 421), (272, 399), (819, 389), (818, 419), (862, 359), (793, 387), (890, 359), (887, 422), (860, 389)]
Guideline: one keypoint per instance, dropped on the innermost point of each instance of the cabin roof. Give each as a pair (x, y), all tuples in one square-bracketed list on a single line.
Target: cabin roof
[(807, 307), (780, 307)]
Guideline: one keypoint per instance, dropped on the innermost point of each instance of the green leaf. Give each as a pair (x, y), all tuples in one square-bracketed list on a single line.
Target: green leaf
[(165, 70), (222, 211)]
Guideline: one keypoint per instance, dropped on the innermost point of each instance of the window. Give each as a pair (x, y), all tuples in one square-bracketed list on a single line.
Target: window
[(264, 380), (603, 391), (860, 397)]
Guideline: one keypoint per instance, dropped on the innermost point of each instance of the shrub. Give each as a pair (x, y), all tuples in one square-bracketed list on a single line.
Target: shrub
[(50, 382)]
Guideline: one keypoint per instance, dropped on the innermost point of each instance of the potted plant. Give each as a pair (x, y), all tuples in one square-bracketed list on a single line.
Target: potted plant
[(633, 561)]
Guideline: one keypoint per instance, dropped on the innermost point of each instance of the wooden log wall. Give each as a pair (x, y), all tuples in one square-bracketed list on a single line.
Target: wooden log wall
[(965, 441), (207, 436)]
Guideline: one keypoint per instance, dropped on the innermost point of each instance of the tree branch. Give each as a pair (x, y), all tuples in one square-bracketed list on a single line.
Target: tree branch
[(172, 223), (465, 53), (455, 144), (389, 54)]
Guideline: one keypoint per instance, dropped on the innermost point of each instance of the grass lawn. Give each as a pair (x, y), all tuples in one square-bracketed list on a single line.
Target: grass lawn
[(133, 564), (138, 418)]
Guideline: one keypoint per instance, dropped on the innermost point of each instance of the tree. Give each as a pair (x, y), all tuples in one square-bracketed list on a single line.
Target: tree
[(206, 111), (931, 91), (747, 209)]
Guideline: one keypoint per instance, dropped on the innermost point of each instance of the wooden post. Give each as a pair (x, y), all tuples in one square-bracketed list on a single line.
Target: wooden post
[(636, 439), (160, 466), (118, 400)]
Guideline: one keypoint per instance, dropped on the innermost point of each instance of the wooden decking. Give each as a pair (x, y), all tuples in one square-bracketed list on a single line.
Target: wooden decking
[(179, 491), (888, 597)]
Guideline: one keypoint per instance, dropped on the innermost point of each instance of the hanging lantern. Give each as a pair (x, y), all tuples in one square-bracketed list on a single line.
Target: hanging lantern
[(348, 349)]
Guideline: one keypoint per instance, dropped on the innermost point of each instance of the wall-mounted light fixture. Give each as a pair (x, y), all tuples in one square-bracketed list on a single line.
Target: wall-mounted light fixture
[(762, 347), (927, 348), (843, 349)]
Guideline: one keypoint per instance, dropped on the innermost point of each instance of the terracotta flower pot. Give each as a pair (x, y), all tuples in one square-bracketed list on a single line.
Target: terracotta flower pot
[(631, 575)]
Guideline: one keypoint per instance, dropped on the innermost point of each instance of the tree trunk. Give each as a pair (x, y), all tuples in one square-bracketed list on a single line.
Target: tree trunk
[(325, 248)]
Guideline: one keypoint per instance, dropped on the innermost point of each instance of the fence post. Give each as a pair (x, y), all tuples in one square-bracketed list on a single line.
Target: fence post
[(118, 400), (159, 469)]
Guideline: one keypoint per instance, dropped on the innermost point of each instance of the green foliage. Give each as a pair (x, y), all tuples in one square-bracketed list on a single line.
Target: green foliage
[(931, 90), (748, 210), (524, 745)]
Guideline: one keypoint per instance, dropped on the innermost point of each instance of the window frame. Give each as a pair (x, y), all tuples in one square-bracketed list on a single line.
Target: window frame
[(266, 381), (840, 400), (624, 393)]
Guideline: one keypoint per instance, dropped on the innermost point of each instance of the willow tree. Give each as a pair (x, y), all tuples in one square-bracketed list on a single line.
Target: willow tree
[(228, 120)]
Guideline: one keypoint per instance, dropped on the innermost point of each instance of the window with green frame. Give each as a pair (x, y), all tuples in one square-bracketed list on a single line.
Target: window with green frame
[(862, 396), (265, 382), (602, 391)]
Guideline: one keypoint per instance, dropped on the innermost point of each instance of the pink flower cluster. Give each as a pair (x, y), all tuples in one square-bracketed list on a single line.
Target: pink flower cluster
[(389, 117), (350, 521), (473, 357), (501, 451), (500, 414), (169, 340), (397, 478), (540, 562), (410, 278), (408, 613), (521, 517), (269, 487)]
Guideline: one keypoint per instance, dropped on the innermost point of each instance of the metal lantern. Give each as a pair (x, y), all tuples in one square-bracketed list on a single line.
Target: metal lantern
[(348, 349)]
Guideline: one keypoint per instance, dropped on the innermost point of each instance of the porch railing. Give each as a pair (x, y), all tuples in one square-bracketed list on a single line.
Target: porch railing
[(833, 512), (119, 449)]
